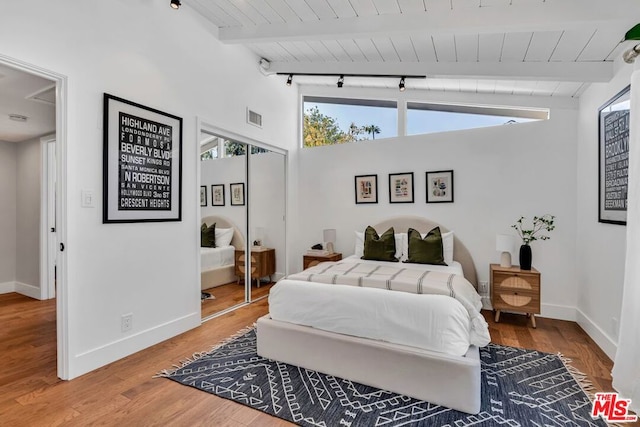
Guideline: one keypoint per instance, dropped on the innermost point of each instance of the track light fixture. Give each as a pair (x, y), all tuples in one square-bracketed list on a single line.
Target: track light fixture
[(630, 55), (341, 77), (289, 79), (175, 4), (341, 80), (401, 85)]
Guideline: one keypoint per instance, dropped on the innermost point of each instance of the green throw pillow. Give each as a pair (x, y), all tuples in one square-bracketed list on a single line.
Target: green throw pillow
[(379, 248), (208, 236), (427, 250)]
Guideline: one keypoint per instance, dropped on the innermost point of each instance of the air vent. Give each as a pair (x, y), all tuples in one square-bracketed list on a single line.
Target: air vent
[(254, 118)]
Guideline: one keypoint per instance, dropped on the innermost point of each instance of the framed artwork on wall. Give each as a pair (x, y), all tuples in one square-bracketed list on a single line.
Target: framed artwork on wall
[(366, 187), (142, 163), (237, 194), (217, 195), (613, 158), (203, 195), (440, 186), (401, 187)]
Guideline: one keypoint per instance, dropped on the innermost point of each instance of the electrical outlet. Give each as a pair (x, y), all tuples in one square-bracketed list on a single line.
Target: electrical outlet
[(127, 322), (484, 287)]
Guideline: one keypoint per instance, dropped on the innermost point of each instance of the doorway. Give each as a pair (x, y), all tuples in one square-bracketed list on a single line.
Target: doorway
[(40, 221)]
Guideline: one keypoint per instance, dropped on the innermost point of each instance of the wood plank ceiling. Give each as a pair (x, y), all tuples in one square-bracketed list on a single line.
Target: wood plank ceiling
[(524, 47)]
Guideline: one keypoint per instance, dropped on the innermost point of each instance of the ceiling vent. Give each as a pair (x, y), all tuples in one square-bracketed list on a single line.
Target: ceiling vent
[(46, 95), (254, 118)]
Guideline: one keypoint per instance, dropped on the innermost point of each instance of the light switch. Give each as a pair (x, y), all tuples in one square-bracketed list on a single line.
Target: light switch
[(88, 199)]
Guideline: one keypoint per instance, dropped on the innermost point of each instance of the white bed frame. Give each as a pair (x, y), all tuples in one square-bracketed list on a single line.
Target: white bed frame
[(450, 381), (226, 274)]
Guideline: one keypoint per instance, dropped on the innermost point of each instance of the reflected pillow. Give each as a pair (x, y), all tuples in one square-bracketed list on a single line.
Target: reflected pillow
[(208, 236), (379, 248), (425, 251), (223, 237)]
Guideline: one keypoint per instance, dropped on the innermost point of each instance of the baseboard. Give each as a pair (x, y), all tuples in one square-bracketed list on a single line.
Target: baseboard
[(7, 287), (559, 312), (28, 290), (95, 358), (486, 302), (604, 341)]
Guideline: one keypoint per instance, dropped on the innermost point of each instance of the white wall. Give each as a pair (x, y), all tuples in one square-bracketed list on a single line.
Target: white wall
[(225, 171), (169, 60), (601, 247), (7, 216), (500, 173), (28, 216)]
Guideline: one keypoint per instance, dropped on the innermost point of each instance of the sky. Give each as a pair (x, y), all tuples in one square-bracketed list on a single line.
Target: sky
[(418, 121)]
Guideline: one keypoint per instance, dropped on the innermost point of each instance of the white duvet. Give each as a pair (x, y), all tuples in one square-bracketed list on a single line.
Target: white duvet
[(211, 258), (432, 322)]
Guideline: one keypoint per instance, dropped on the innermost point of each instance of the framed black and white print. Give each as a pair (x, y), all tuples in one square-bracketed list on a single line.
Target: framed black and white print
[(142, 163), (440, 186), (217, 195), (366, 187), (236, 191), (401, 187), (203, 195), (613, 158)]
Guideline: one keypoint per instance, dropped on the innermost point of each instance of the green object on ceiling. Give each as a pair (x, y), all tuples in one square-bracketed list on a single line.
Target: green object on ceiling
[(633, 34)]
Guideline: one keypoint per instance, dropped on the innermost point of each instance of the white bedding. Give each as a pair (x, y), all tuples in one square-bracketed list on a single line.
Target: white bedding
[(216, 257), (408, 317)]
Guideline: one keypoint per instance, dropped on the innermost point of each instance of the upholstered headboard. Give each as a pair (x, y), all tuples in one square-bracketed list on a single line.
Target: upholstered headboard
[(401, 224), (221, 222)]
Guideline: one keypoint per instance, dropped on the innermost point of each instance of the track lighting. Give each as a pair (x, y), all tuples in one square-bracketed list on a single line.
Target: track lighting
[(401, 85), (175, 4), (289, 79), (341, 80), (630, 55)]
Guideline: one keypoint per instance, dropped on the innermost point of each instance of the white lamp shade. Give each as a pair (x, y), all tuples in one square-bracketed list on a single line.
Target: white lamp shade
[(505, 243), (329, 235)]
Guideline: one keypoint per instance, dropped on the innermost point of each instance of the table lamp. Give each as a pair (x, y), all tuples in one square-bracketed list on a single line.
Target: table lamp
[(505, 244), (329, 237)]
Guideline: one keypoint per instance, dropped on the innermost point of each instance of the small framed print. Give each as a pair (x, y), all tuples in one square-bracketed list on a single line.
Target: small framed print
[(203, 195), (217, 195), (440, 187), (366, 189), (237, 194), (401, 187)]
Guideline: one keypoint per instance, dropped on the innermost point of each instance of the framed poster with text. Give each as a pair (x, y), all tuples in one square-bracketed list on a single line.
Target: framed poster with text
[(613, 158), (142, 163)]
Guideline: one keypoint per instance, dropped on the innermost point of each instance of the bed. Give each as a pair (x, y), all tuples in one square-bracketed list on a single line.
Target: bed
[(342, 319), (217, 265)]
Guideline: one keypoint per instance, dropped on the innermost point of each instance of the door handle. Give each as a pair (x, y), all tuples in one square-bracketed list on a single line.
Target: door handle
[(61, 247)]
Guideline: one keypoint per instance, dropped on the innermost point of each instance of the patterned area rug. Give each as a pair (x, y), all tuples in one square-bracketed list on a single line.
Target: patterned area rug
[(519, 388)]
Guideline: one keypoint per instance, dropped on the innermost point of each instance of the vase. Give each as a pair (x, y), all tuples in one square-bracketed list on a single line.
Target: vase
[(525, 257)]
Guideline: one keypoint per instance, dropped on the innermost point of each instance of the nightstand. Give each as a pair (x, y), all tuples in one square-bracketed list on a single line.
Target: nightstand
[(311, 260), (263, 263), (513, 289)]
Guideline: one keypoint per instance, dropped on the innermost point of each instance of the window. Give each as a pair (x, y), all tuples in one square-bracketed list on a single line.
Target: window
[(429, 118), (329, 121)]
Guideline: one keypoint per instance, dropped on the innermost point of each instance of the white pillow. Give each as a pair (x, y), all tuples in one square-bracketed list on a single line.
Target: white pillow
[(223, 236), (447, 246), (359, 248)]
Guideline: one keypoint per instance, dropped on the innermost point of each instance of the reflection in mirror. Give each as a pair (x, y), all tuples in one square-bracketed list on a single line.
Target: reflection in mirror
[(223, 170), (266, 218)]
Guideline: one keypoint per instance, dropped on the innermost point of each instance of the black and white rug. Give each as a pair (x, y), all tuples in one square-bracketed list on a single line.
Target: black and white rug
[(519, 388)]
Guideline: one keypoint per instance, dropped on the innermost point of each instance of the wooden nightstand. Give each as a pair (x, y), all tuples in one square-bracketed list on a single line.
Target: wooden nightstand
[(263, 263), (513, 289), (311, 260)]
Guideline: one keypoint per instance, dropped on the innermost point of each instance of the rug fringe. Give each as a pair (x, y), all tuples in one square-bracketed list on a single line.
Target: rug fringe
[(199, 355), (583, 381)]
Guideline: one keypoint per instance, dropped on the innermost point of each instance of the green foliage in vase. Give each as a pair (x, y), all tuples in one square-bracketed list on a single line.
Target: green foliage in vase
[(538, 225)]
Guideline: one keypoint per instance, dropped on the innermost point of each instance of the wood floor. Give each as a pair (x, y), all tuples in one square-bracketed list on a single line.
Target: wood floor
[(125, 394), (229, 295)]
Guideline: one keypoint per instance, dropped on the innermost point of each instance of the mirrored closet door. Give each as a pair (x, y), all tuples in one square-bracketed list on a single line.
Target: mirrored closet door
[(243, 187)]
